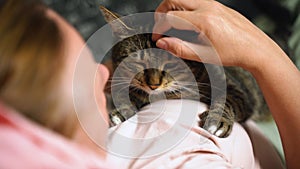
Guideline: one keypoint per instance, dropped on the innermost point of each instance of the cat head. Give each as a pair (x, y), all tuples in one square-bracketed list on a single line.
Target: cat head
[(137, 59)]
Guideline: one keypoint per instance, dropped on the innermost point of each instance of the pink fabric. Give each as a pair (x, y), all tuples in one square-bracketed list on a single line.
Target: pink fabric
[(26, 145), (196, 149)]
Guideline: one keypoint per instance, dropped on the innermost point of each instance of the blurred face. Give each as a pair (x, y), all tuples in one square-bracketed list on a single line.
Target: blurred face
[(87, 79)]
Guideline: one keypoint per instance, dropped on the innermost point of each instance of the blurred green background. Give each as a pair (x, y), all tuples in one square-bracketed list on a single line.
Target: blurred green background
[(280, 19)]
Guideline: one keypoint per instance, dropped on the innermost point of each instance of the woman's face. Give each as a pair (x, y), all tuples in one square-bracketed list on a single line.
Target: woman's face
[(84, 79)]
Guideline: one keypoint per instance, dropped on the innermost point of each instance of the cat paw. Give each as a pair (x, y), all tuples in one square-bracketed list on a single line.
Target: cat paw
[(214, 122), (118, 116), (115, 118)]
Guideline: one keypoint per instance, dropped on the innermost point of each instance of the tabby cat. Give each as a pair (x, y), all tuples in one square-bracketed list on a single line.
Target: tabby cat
[(151, 74)]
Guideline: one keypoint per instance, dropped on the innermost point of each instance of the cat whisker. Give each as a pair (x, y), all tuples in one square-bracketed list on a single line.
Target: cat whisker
[(193, 92), (122, 88), (174, 91), (112, 79), (119, 77), (199, 84), (117, 81), (134, 87), (120, 83), (189, 83)]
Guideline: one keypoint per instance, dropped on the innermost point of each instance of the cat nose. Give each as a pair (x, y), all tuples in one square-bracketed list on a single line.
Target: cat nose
[(154, 86)]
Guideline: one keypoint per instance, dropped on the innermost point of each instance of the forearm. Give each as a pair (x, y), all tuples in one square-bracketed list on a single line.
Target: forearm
[(279, 81)]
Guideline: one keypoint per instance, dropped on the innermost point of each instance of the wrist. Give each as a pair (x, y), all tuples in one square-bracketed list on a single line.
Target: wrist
[(265, 55)]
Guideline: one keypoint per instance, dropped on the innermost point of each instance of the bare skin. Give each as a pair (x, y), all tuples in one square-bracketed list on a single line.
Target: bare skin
[(73, 44), (239, 43)]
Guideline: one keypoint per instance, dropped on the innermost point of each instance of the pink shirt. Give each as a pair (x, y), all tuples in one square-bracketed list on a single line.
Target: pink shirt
[(26, 145), (166, 135)]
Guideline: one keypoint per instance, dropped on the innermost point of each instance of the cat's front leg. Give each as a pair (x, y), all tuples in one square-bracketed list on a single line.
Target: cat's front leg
[(217, 121), (121, 114)]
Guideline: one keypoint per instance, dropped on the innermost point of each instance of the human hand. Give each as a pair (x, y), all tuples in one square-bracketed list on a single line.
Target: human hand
[(237, 41)]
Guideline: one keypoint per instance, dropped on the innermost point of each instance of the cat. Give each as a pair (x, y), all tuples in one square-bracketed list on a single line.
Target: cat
[(174, 78)]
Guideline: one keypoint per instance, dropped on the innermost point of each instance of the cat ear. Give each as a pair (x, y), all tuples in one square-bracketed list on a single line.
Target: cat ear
[(119, 27)]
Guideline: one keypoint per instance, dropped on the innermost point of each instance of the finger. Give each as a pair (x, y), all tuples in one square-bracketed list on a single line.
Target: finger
[(190, 51), (181, 20), (180, 5), (177, 47), (160, 26), (169, 5)]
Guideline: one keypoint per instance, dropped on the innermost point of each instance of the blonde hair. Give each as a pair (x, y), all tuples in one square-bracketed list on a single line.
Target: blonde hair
[(31, 63)]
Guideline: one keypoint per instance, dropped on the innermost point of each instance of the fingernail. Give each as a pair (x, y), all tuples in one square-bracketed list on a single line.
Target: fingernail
[(161, 44), (154, 37)]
